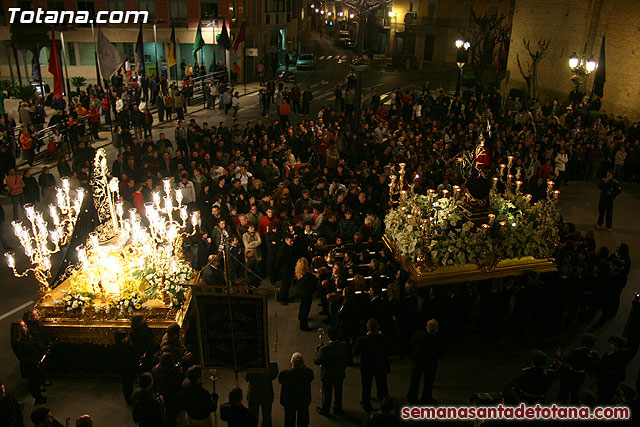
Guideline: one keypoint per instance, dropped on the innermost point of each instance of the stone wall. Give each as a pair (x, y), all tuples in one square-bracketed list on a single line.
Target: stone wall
[(572, 24)]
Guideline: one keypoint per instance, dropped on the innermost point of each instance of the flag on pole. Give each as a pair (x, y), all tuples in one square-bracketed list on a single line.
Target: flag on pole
[(172, 48), (198, 43), (598, 81), (140, 50), (54, 68), (111, 59), (239, 39), (224, 40)]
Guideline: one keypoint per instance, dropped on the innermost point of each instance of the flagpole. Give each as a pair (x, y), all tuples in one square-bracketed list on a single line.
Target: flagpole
[(244, 59), (95, 54), (66, 70), (155, 41)]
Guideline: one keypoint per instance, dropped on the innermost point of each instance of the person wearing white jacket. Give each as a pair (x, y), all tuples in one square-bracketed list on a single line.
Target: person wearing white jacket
[(561, 166)]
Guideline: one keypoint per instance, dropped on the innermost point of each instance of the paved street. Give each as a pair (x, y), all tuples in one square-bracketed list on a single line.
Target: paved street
[(472, 364)]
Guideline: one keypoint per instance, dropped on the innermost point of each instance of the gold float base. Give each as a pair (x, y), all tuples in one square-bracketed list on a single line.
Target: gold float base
[(468, 272), (97, 327)]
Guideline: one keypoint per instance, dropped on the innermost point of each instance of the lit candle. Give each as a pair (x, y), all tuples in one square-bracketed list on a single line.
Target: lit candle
[(11, 262), (456, 192), (503, 223), (167, 185), (486, 227), (445, 193), (528, 197), (492, 218), (509, 178), (495, 183), (194, 219), (30, 210), (518, 185), (114, 186), (80, 194), (502, 168), (556, 194), (179, 196), (65, 183), (132, 215), (510, 160)]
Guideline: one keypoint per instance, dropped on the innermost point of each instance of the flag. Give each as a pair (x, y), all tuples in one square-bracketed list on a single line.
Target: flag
[(172, 48), (111, 59), (54, 69), (224, 40), (140, 50), (598, 81), (239, 39), (198, 43)]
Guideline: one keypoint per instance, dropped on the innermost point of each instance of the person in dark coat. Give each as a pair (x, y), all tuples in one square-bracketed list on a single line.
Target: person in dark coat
[(609, 190), (31, 188), (143, 342), (42, 417), (295, 392), (197, 401), (286, 261), (533, 381), (168, 380), (29, 353), (126, 362), (10, 409), (234, 412), (172, 343), (306, 284), (333, 357), (611, 369), (374, 363), (213, 274), (147, 411), (260, 393), (425, 349), (575, 366)]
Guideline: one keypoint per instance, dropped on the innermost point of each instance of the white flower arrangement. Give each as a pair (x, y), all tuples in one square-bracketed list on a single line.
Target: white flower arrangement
[(74, 300), (518, 230), (166, 279)]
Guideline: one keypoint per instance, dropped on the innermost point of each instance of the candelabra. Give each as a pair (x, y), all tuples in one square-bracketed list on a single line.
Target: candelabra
[(36, 240), (154, 245), (396, 186)]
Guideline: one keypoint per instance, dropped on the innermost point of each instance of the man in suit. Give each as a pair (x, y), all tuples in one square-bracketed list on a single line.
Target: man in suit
[(425, 349), (611, 369), (374, 363), (260, 393), (333, 357), (295, 393)]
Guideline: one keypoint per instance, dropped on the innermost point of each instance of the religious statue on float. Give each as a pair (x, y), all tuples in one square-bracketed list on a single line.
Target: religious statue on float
[(475, 168)]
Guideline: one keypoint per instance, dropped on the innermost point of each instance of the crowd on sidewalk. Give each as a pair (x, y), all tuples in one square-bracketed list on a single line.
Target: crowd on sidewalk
[(302, 203)]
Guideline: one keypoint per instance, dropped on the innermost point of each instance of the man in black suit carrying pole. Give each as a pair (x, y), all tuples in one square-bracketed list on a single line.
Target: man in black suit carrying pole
[(374, 363), (333, 357)]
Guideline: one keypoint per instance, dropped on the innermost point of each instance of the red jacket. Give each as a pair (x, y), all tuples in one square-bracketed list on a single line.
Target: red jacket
[(264, 224), (285, 109)]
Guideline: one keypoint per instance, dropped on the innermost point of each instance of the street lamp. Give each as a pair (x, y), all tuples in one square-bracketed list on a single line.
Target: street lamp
[(462, 46), (581, 67), (390, 13)]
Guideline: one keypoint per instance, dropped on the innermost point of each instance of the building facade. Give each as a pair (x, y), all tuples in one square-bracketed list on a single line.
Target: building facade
[(271, 26), (578, 26)]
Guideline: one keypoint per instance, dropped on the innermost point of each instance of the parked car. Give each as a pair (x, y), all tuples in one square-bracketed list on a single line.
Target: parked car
[(342, 36), (306, 61)]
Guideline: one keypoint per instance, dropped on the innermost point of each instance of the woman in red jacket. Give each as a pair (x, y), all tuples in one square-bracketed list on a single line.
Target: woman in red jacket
[(94, 122)]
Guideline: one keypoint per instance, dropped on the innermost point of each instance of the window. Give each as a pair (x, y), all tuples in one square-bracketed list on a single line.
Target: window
[(433, 10), (55, 5), (178, 12), (115, 5), (24, 4), (149, 6), (87, 5), (71, 53), (208, 9)]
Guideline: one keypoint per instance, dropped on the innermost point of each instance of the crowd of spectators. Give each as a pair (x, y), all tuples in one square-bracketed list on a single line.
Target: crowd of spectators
[(301, 203)]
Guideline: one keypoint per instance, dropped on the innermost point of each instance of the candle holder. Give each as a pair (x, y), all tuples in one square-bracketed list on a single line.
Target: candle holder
[(550, 185), (492, 218), (518, 185), (502, 169), (495, 183), (528, 198)]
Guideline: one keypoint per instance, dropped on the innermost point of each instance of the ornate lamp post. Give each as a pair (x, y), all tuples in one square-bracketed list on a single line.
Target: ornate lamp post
[(581, 68), (461, 59)]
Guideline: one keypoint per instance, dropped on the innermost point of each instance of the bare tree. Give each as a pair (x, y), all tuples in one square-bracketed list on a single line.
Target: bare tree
[(531, 75), (488, 32)]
